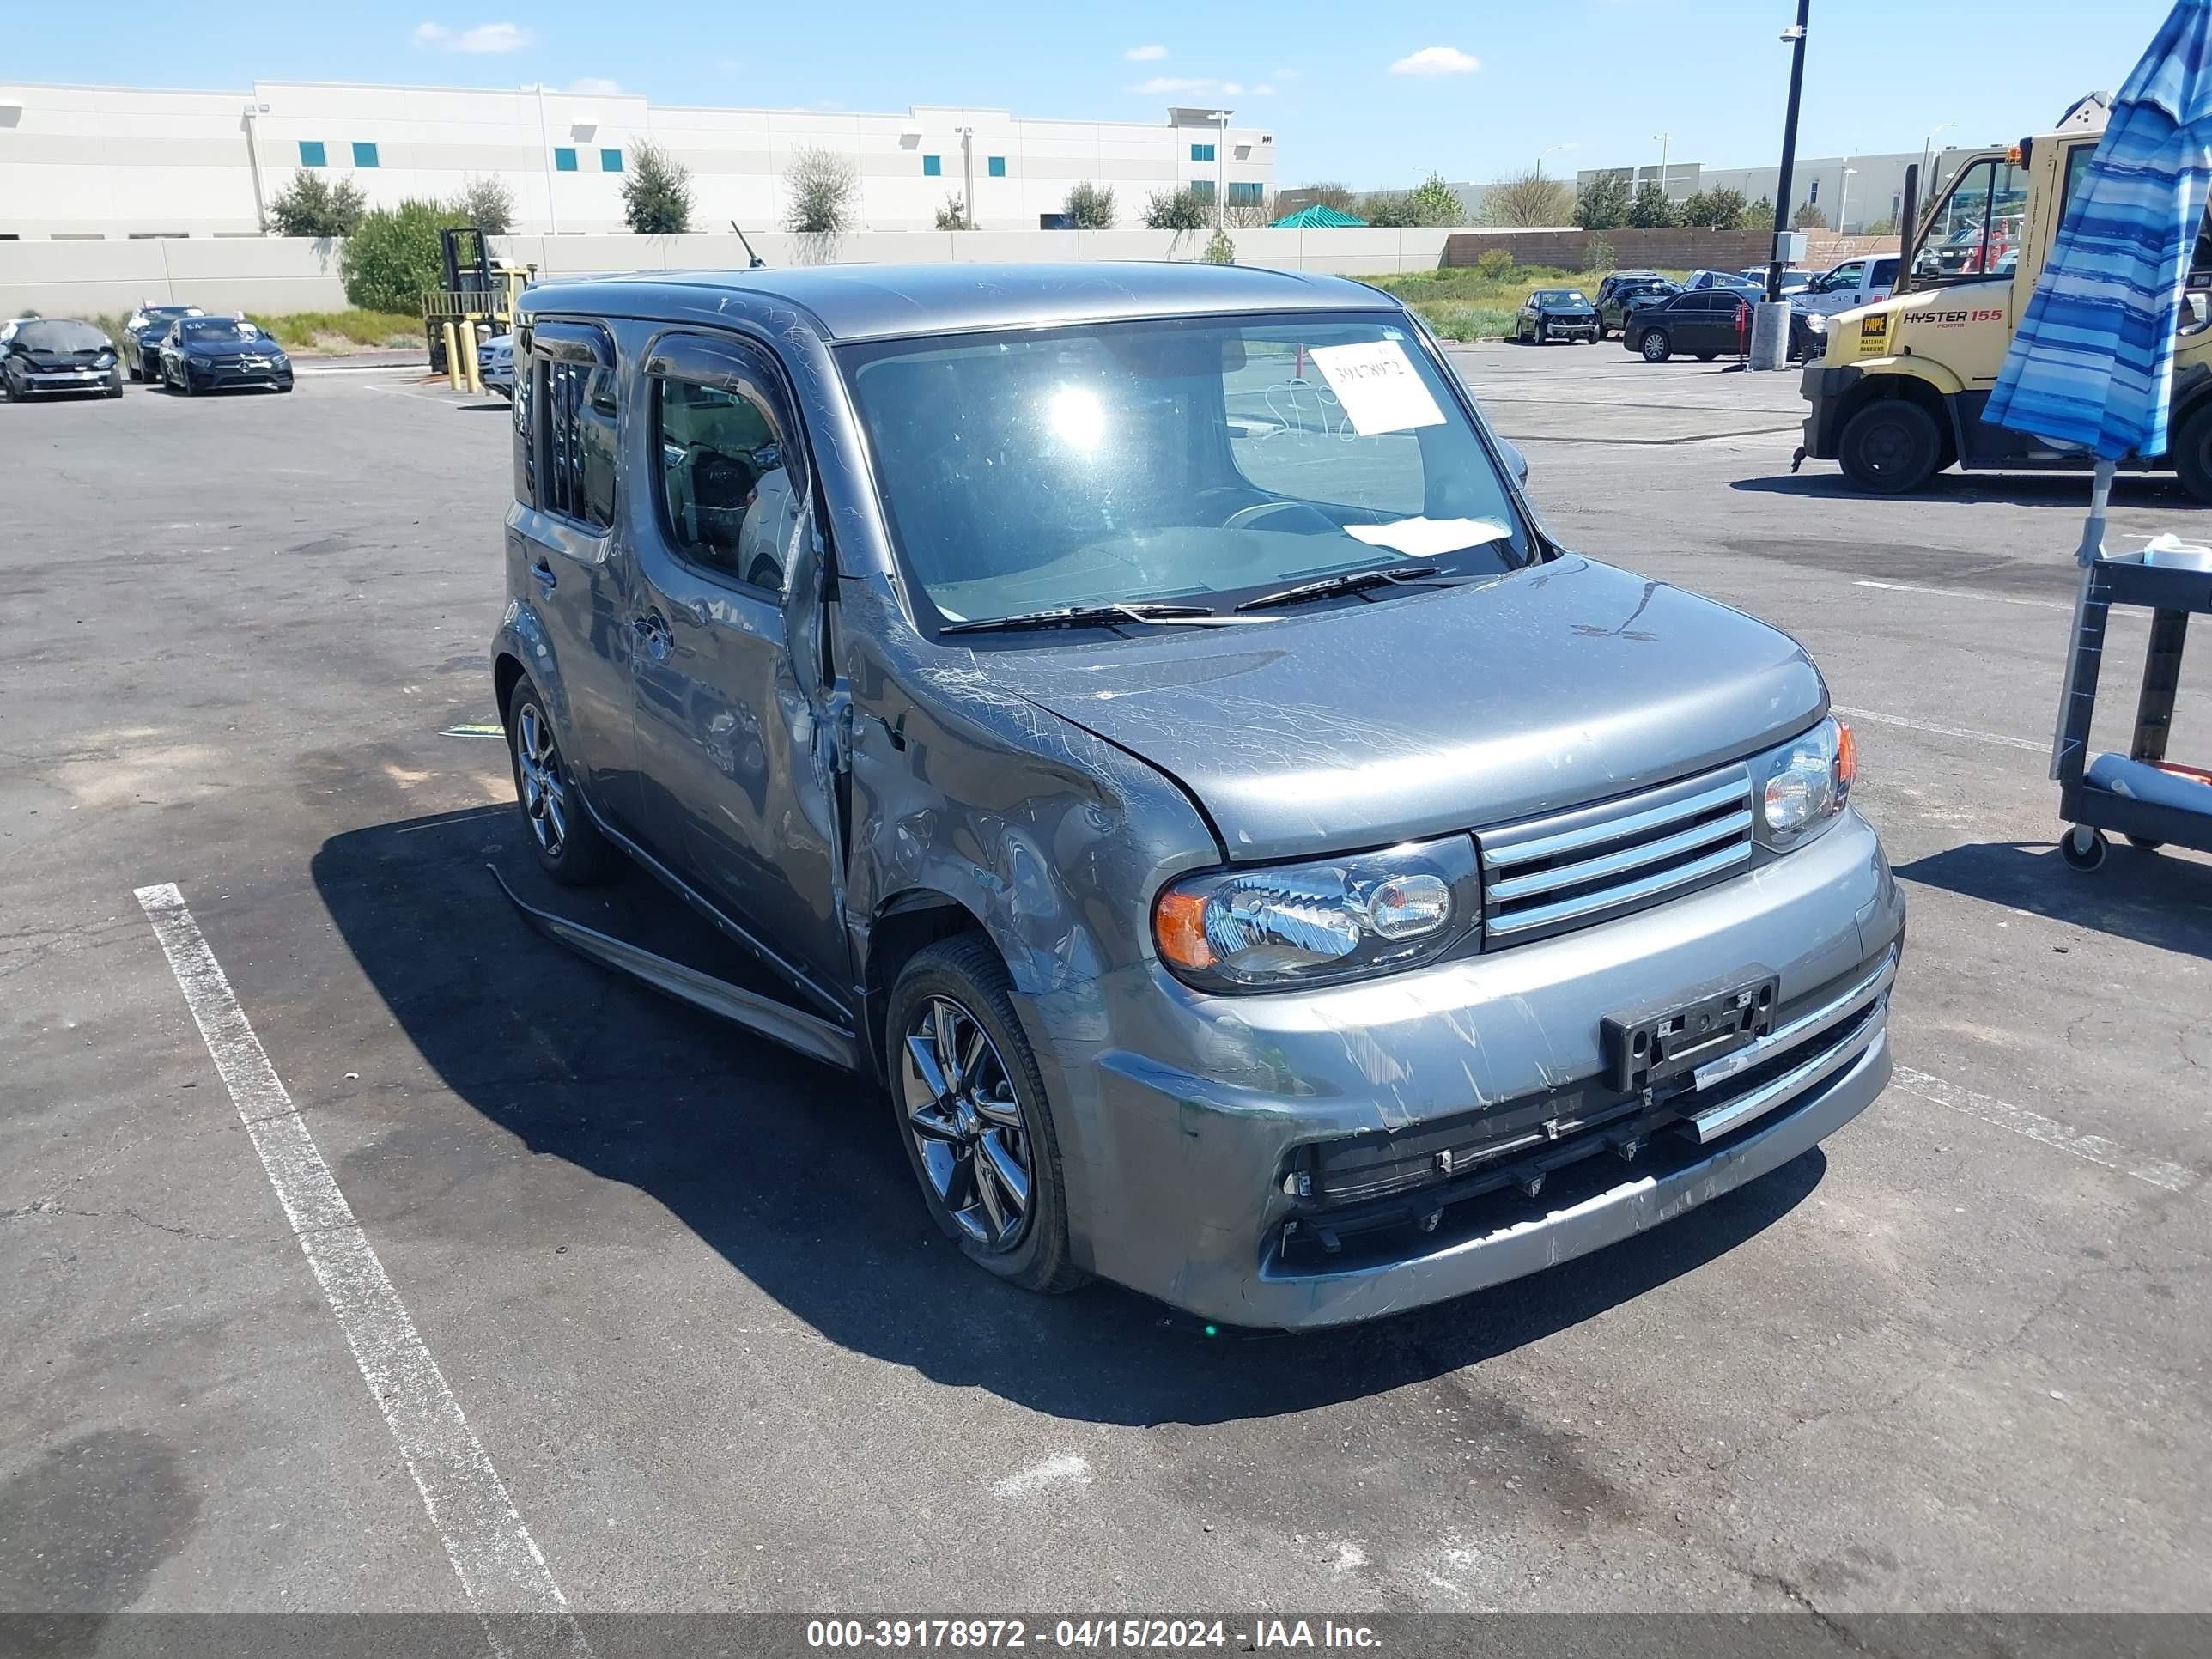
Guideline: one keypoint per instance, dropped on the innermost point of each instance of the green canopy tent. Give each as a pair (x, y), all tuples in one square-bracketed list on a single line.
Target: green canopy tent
[(1318, 217)]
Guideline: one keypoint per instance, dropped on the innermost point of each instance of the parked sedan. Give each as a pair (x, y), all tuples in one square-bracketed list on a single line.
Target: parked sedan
[(202, 354), (1704, 322), (1556, 313), (57, 354), (495, 364), (143, 331), (1627, 291)]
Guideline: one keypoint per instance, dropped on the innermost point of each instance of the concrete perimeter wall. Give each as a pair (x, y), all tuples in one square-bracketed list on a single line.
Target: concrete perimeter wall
[(266, 274), (272, 275), (1672, 249)]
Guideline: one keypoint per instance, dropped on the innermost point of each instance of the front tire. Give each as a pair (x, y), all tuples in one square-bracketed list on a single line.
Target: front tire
[(2193, 454), (1891, 447), (1654, 346), (970, 1109), (568, 843), (2082, 848)]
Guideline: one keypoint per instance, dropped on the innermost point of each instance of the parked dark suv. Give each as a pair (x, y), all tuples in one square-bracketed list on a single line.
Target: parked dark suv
[(1625, 291), (1136, 716)]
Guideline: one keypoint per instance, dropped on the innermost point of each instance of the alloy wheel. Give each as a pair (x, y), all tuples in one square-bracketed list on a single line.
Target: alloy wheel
[(967, 1124), (545, 790)]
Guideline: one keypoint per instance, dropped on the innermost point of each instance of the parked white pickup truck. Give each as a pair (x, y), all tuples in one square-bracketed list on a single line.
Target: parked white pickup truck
[(1854, 282)]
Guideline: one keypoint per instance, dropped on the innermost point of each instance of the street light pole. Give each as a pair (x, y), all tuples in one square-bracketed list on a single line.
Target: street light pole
[(1927, 145), (1663, 138), (1221, 171), (1796, 36), (1843, 199)]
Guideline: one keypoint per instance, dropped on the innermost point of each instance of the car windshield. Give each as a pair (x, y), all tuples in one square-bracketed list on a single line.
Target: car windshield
[(1195, 461), (1560, 296), (218, 329), (60, 335)]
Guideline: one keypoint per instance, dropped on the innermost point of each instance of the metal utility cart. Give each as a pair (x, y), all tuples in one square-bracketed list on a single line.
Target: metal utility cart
[(2156, 808)]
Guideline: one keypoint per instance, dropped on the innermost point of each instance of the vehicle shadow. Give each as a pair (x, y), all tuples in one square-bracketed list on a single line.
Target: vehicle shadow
[(792, 1172), (2161, 899), (2069, 490)]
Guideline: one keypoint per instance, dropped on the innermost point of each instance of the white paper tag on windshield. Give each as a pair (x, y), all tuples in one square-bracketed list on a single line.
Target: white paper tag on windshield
[(1426, 539), (1380, 389)]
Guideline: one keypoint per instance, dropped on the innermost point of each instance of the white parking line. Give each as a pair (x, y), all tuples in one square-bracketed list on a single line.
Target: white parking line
[(1930, 727), (1965, 593), (2095, 1149), (501, 1568)]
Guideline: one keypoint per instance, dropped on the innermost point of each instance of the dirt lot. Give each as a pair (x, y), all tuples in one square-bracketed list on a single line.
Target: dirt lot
[(683, 1302)]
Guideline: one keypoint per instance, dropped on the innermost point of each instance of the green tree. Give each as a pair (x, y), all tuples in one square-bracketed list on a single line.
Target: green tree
[(390, 260), (1650, 209), (312, 205), (1604, 205), (1391, 208), (1220, 250), (1809, 217), (1529, 198), (1597, 255), (1720, 208), (1436, 203), (1089, 206), (656, 192), (487, 204), (1175, 210), (1760, 215), (953, 216)]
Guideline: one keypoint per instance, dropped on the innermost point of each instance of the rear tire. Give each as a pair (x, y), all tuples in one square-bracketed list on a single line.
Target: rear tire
[(1654, 346), (1001, 1100), (563, 834), (1891, 447), (2193, 454)]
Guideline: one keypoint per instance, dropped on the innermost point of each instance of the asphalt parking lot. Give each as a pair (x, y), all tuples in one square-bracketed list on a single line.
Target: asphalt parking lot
[(678, 1288)]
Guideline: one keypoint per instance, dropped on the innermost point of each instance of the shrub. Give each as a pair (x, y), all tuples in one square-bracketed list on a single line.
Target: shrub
[(1220, 250), (819, 186), (1495, 264), (487, 204), (1177, 209), (1090, 208), (312, 205), (1883, 227), (953, 216), (656, 192), (1809, 217), (391, 260)]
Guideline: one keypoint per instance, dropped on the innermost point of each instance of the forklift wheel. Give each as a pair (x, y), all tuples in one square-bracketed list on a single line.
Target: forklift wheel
[(2082, 848)]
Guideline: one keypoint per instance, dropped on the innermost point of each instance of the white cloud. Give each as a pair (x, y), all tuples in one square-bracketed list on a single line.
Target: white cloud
[(596, 86), (1263, 90), (1437, 60), (484, 37), (1145, 54), (1177, 86)]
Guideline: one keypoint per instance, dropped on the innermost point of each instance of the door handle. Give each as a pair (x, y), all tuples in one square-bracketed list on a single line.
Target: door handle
[(653, 635), (546, 579)]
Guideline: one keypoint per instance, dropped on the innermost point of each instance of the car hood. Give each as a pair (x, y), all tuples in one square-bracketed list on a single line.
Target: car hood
[(260, 346), (1434, 709)]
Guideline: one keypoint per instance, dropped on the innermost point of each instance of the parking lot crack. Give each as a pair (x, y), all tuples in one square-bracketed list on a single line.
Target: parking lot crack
[(44, 1207)]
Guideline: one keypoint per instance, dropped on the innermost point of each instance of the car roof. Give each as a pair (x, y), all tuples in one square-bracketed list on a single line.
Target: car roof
[(875, 301)]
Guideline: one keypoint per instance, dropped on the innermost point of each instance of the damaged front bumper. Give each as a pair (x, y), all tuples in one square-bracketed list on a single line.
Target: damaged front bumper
[(1312, 1158)]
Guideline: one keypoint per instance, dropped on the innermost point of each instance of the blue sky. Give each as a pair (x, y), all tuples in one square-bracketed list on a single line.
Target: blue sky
[(1469, 90)]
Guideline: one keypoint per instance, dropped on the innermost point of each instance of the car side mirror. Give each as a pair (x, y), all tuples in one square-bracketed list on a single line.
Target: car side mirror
[(1515, 462)]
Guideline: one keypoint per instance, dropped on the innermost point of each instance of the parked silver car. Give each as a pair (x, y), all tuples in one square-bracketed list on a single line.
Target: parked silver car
[(1138, 715)]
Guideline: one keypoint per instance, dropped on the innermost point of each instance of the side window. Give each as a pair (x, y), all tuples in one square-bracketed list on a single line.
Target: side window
[(527, 394), (577, 405), (1975, 231), (1850, 276), (731, 483)]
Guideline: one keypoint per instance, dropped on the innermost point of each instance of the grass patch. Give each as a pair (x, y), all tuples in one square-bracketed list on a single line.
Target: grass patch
[(1462, 303), (337, 330)]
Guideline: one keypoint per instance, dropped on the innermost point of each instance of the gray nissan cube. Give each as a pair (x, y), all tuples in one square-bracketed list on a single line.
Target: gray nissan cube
[(1138, 718)]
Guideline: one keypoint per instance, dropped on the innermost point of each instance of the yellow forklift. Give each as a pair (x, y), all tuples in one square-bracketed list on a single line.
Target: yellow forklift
[(1899, 391), (479, 291)]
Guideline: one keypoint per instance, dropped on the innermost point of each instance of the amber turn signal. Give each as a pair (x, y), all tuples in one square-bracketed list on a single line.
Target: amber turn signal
[(1179, 921), (1847, 755)]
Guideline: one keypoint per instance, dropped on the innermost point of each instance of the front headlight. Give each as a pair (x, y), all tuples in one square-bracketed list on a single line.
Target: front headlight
[(1799, 788), (1287, 925), (1817, 321)]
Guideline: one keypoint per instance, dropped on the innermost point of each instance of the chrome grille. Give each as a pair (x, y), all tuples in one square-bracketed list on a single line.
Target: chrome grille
[(1547, 875)]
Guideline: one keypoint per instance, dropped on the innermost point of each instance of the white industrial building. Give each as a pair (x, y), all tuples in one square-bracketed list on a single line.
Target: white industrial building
[(93, 162)]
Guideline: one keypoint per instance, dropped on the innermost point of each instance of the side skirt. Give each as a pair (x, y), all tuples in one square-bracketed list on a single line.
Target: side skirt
[(818, 1039)]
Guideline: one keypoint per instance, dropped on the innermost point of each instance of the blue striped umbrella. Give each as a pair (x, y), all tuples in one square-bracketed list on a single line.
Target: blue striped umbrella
[(2092, 365)]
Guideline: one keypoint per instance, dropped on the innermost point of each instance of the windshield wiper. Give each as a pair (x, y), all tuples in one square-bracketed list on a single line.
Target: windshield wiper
[(1349, 581), (1079, 616)]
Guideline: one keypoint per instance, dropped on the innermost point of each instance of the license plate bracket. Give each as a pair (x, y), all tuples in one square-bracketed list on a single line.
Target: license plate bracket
[(1645, 1046)]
